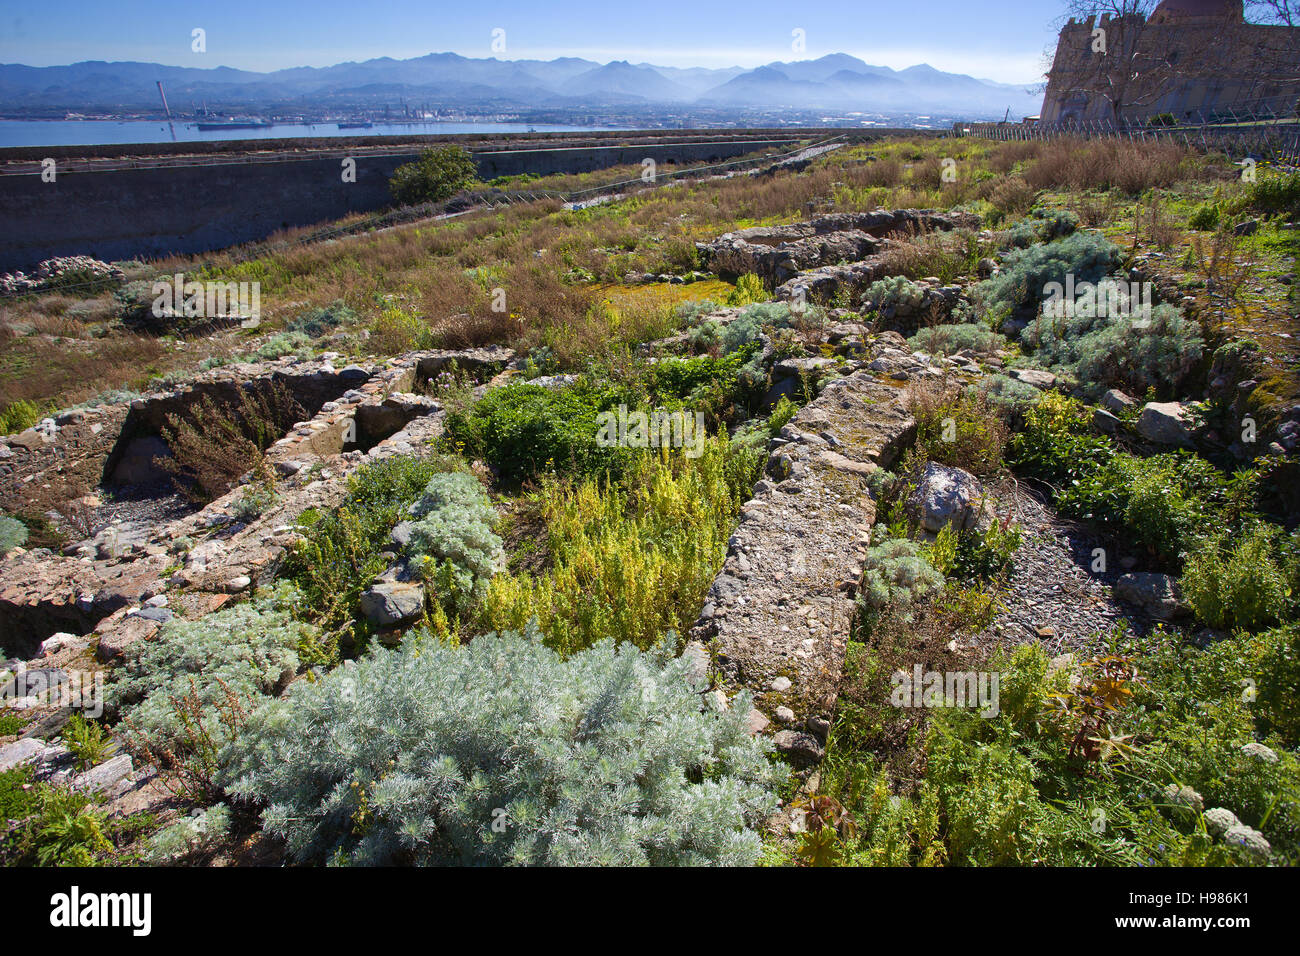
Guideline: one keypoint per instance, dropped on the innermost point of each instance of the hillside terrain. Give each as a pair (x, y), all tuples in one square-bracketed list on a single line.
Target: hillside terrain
[(448, 81), (923, 502)]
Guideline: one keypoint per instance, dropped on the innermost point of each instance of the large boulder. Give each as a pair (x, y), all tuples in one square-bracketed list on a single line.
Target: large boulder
[(946, 496), (1166, 423), (1117, 402), (801, 749), (27, 750), (105, 777), (1036, 377), (1156, 594), (392, 602), (35, 682)]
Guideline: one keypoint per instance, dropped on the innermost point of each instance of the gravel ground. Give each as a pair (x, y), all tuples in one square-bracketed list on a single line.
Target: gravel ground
[(1052, 595), (142, 506)]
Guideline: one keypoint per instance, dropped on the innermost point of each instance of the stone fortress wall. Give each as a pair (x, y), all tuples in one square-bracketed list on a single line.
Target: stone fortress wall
[(1194, 59), (186, 205)]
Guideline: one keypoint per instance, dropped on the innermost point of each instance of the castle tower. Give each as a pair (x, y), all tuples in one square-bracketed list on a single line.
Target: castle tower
[(1191, 59), (1193, 11)]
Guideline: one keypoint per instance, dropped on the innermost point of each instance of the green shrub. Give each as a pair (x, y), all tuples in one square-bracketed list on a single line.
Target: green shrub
[(993, 812), (1270, 660), (10, 724), (1015, 789), (286, 343), (188, 836), (1053, 224), (17, 796), (541, 361), (180, 694), (1055, 445), (1042, 225), (711, 385), (396, 329), (1237, 585), (525, 430), (336, 560), (631, 559), (61, 828), (782, 412), (971, 555), (135, 305), (1009, 395), (1205, 218), (1162, 502), (1204, 712), (320, 321), (256, 498), (896, 576), (437, 175), (745, 329), (894, 296), (690, 312), (749, 289), (452, 539), (1278, 193), (87, 740), (1021, 235), (383, 490), (13, 534), (19, 416), (757, 432), (1101, 352), (338, 556), (678, 256), (1022, 283), (501, 752), (950, 339), (985, 555), (956, 427)]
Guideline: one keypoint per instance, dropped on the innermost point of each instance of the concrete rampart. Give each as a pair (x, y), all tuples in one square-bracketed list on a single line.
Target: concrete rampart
[(132, 209)]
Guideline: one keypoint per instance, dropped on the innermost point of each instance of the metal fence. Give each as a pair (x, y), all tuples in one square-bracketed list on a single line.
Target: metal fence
[(1262, 135)]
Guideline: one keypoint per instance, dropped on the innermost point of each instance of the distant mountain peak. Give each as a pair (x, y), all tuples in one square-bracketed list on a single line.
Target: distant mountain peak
[(832, 83)]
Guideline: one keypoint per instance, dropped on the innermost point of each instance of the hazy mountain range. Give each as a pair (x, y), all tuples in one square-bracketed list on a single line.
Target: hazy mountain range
[(837, 82)]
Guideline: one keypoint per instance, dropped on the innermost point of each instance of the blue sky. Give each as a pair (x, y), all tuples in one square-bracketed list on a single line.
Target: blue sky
[(996, 40)]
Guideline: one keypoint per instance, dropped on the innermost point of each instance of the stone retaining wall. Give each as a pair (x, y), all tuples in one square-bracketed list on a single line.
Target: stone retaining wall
[(777, 616), (204, 557)]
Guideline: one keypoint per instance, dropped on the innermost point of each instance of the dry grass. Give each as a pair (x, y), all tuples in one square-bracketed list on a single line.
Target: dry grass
[(76, 509), (1010, 155), (217, 443), (956, 427), (1097, 209), (945, 255), (41, 367), (882, 172), (1160, 231), (1013, 197), (1133, 168), (1225, 272), (432, 282)]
